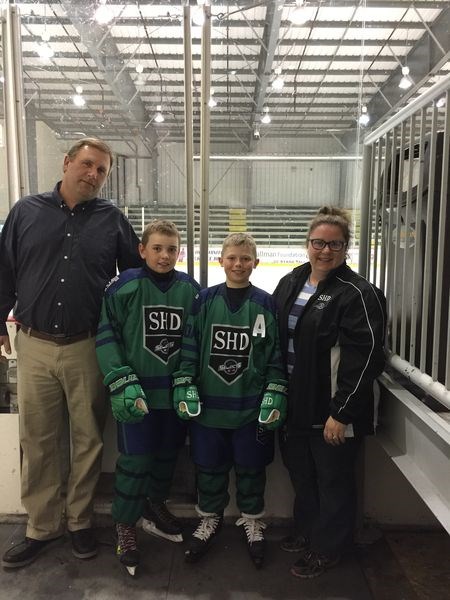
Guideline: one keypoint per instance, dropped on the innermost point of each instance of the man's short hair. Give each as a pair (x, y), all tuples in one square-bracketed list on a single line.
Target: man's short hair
[(239, 239), (160, 226), (94, 143)]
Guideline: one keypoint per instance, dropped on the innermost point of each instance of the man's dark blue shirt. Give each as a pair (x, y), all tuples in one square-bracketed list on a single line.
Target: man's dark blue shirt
[(55, 261)]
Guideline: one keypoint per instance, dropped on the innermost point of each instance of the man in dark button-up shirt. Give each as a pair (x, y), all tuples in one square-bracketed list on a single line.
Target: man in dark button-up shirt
[(57, 252)]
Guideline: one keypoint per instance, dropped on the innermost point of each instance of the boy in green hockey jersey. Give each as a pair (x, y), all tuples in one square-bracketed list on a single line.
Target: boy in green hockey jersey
[(231, 384), (138, 345)]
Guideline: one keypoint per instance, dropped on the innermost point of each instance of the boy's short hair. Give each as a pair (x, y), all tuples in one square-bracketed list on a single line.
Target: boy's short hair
[(239, 239), (160, 226)]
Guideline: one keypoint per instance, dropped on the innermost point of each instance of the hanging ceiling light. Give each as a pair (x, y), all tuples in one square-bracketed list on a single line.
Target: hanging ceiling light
[(299, 16), (211, 102), (139, 80), (405, 81), (103, 14), (278, 82), (440, 103), (79, 89), (78, 100), (364, 117), (45, 51), (139, 68), (265, 118), (45, 35), (159, 117), (198, 16)]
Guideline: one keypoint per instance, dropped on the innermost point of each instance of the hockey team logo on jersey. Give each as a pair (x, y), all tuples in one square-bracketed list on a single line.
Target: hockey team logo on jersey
[(230, 351), (163, 327)]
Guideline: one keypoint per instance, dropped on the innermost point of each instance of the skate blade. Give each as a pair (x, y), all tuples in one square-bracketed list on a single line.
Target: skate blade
[(150, 528), (131, 570)]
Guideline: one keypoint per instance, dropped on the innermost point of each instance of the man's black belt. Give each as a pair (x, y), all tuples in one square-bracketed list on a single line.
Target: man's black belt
[(60, 340)]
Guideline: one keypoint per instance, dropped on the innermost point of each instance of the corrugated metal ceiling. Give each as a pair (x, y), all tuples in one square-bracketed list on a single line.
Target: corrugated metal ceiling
[(348, 53)]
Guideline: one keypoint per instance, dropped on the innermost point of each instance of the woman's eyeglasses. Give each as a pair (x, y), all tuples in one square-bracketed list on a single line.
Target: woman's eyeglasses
[(334, 245)]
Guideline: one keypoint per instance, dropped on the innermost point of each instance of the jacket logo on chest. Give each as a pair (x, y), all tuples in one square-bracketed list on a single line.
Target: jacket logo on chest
[(322, 301), (230, 351), (163, 327)]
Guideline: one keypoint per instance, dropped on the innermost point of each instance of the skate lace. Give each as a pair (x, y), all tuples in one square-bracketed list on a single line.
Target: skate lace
[(206, 528), (254, 529), (126, 538)]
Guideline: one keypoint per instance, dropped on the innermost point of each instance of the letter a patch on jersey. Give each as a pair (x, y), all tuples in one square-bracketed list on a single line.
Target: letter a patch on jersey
[(163, 327), (230, 351)]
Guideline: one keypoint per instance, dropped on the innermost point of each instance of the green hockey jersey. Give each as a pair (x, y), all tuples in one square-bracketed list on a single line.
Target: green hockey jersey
[(231, 354), (141, 326)]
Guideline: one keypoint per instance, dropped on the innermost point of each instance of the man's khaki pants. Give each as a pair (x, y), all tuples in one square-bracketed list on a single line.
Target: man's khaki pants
[(50, 377)]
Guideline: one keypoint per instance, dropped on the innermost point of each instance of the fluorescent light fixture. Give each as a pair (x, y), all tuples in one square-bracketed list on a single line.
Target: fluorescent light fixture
[(78, 100), (159, 117), (405, 81)]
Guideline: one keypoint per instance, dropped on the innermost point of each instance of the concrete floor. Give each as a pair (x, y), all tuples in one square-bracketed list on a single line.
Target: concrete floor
[(398, 566), (225, 573)]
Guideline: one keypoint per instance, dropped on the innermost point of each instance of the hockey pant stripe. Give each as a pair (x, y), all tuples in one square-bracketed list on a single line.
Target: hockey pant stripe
[(250, 486), (212, 485), (139, 477), (213, 494)]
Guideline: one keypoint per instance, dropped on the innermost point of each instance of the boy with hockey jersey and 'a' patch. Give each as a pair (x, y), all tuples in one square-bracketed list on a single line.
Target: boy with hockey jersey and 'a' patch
[(231, 385), (138, 348)]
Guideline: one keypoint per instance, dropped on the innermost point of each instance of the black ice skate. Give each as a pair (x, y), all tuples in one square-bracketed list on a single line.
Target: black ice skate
[(159, 521), (127, 549), (254, 536), (208, 527)]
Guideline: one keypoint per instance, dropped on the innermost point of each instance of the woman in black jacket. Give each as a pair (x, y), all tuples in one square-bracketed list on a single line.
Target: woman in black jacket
[(332, 325)]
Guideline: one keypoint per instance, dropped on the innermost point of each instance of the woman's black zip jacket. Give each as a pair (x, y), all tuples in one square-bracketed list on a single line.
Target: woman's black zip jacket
[(339, 349)]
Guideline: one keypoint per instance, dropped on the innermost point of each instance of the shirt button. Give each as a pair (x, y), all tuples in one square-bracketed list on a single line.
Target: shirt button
[(71, 214), (55, 326), (62, 280), (59, 303), (66, 257), (69, 234)]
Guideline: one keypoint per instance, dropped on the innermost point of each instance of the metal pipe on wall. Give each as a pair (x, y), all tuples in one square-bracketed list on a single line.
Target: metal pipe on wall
[(189, 142), (365, 212), (204, 145), (15, 138)]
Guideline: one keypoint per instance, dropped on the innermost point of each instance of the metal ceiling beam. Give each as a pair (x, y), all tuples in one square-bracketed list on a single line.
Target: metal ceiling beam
[(108, 60), (217, 71), (292, 58), (244, 41), (370, 3), (269, 44), (235, 23), (425, 59)]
